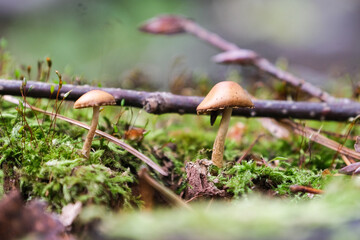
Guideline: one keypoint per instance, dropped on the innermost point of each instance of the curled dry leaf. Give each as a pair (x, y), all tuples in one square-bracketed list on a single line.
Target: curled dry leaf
[(134, 134)]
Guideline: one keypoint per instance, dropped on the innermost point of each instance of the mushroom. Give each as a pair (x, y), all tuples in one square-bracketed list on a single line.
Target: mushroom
[(94, 99), (224, 96)]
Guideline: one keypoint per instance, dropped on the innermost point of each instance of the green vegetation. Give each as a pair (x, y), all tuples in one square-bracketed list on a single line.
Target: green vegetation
[(46, 164), (40, 156), (333, 216), (45, 161)]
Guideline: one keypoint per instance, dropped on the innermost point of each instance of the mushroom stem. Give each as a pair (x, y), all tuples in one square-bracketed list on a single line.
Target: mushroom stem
[(94, 122), (218, 148)]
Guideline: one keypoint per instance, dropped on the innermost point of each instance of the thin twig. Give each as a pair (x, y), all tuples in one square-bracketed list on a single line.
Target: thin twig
[(249, 148), (170, 196), (304, 189), (346, 160), (317, 137)]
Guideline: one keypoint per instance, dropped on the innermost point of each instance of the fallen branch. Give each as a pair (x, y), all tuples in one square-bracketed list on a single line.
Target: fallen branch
[(172, 24), (163, 102), (160, 102)]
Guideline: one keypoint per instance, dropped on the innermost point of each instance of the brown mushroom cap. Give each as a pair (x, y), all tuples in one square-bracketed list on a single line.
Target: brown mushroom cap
[(94, 98), (223, 95)]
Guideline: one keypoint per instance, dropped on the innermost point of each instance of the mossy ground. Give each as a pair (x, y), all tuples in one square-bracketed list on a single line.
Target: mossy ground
[(40, 156), (331, 216)]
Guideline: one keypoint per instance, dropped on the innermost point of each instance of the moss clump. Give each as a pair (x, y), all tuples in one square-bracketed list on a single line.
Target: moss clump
[(241, 179), (61, 182), (44, 163), (334, 216)]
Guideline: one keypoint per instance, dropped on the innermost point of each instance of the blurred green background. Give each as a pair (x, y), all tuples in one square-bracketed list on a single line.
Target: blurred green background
[(99, 40)]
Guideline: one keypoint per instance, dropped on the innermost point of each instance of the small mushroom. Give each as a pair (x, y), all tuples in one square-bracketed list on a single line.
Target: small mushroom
[(94, 99), (224, 96)]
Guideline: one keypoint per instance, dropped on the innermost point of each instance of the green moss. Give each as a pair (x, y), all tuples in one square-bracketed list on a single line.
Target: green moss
[(255, 217), (46, 164), (42, 157), (242, 179)]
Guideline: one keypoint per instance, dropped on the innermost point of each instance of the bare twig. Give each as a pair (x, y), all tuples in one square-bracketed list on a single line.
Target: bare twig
[(160, 102), (186, 25), (163, 102), (249, 148), (317, 137), (345, 159)]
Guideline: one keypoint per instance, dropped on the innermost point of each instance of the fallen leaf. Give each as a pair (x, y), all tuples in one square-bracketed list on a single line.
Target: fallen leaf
[(135, 134), (351, 169)]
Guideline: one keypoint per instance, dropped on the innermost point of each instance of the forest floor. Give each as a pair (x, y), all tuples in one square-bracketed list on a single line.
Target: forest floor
[(269, 187)]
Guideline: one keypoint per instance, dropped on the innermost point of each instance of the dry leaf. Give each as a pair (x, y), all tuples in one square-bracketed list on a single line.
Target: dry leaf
[(351, 169), (135, 134)]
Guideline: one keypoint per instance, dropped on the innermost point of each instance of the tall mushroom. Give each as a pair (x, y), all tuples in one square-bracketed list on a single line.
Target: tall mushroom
[(224, 96), (94, 99)]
